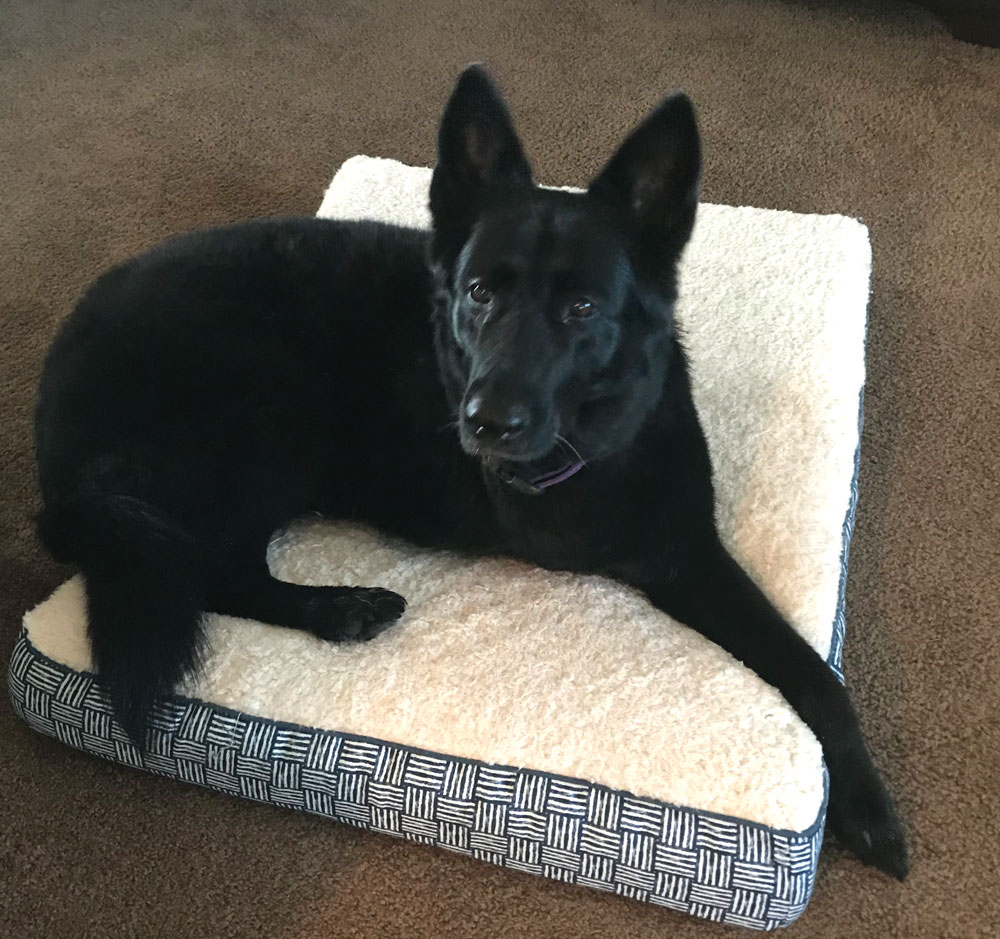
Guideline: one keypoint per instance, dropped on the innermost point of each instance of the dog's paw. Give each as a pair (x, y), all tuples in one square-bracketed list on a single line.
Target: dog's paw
[(864, 820), (354, 614)]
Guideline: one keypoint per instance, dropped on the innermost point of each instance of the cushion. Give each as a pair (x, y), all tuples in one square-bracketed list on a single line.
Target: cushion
[(555, 723)]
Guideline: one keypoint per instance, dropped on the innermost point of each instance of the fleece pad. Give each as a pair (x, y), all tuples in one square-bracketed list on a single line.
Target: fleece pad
[(548, 722)]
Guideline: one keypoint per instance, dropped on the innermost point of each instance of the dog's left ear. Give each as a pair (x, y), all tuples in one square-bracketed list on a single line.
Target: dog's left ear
[(654, 176), (478, 150)]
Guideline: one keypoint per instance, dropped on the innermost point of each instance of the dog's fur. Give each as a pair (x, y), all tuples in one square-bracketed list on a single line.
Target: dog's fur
[(206, 393)]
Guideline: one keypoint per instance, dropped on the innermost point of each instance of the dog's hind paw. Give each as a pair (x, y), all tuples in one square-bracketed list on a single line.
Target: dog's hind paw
[(354, 614), (864, 820)]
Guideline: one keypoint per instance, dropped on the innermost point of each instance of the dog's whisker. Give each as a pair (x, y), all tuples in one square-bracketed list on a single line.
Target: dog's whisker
[(560, 439)]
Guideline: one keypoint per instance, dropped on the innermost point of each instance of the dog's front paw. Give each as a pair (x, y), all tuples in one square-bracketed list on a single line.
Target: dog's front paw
[(355, 613), (864, 820)]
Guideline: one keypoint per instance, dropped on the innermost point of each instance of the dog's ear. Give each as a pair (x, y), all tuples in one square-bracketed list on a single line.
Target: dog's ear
[(654, 176), (478, 150)]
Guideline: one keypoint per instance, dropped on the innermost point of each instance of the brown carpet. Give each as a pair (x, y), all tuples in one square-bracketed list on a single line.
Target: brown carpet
[(123, 122)]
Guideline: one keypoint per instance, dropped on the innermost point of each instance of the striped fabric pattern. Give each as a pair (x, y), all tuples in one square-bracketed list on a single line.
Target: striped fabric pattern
[(836, 657), (719, 868)]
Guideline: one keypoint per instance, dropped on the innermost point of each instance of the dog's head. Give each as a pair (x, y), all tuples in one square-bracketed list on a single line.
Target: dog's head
[(554, 310)]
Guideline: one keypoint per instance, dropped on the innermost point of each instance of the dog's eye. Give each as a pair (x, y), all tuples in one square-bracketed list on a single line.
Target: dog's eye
[(581, 310), (480, 293)]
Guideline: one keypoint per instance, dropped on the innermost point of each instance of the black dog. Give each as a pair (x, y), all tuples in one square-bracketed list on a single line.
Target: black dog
[(206, 393)]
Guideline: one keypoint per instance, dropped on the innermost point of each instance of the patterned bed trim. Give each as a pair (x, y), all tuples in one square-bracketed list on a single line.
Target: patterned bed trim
[(722, 869), (836, 657)]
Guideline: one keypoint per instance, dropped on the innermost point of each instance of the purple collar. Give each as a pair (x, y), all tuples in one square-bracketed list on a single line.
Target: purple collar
[(534, 478)]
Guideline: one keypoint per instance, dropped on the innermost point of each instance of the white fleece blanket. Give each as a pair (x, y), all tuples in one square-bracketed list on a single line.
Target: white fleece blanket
[(500, 662)]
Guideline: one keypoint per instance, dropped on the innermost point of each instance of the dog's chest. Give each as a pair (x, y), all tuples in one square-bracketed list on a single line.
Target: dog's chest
[(574, 526)]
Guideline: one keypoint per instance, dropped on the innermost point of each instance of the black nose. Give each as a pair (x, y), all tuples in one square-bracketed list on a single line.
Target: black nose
[(502, 423)]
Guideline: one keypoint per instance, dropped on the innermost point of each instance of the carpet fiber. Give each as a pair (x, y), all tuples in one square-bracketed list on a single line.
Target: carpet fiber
[(121, 123)]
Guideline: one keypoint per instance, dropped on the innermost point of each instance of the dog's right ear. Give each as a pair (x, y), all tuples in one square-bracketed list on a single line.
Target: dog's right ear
[(478, 150)]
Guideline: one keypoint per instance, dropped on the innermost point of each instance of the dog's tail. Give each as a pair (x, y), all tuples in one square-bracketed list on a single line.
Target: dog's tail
[(145, 593)]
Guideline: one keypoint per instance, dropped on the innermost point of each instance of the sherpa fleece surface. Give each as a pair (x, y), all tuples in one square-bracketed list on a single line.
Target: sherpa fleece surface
[(577, 676)]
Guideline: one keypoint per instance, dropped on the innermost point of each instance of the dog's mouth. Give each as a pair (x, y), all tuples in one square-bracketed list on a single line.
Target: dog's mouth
[(533, 477), (528, 470), (494, 452)]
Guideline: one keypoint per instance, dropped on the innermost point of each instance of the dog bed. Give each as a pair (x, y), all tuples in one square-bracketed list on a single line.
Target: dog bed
[(555, 723)]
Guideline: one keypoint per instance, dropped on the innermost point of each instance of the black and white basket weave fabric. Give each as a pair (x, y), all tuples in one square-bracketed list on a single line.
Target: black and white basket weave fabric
[(722, 869)]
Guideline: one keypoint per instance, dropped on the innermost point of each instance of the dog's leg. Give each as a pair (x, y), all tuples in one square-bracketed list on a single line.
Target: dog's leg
[(338, 614), (719, 600)]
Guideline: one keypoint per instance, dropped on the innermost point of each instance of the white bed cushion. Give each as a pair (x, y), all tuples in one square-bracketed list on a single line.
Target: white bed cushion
[(550, 722)]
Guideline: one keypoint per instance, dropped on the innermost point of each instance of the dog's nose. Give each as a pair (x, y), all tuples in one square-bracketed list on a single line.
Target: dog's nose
[(503, 423)]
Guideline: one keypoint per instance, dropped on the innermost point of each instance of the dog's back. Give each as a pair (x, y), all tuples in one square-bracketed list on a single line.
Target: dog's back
[(202, 395)]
